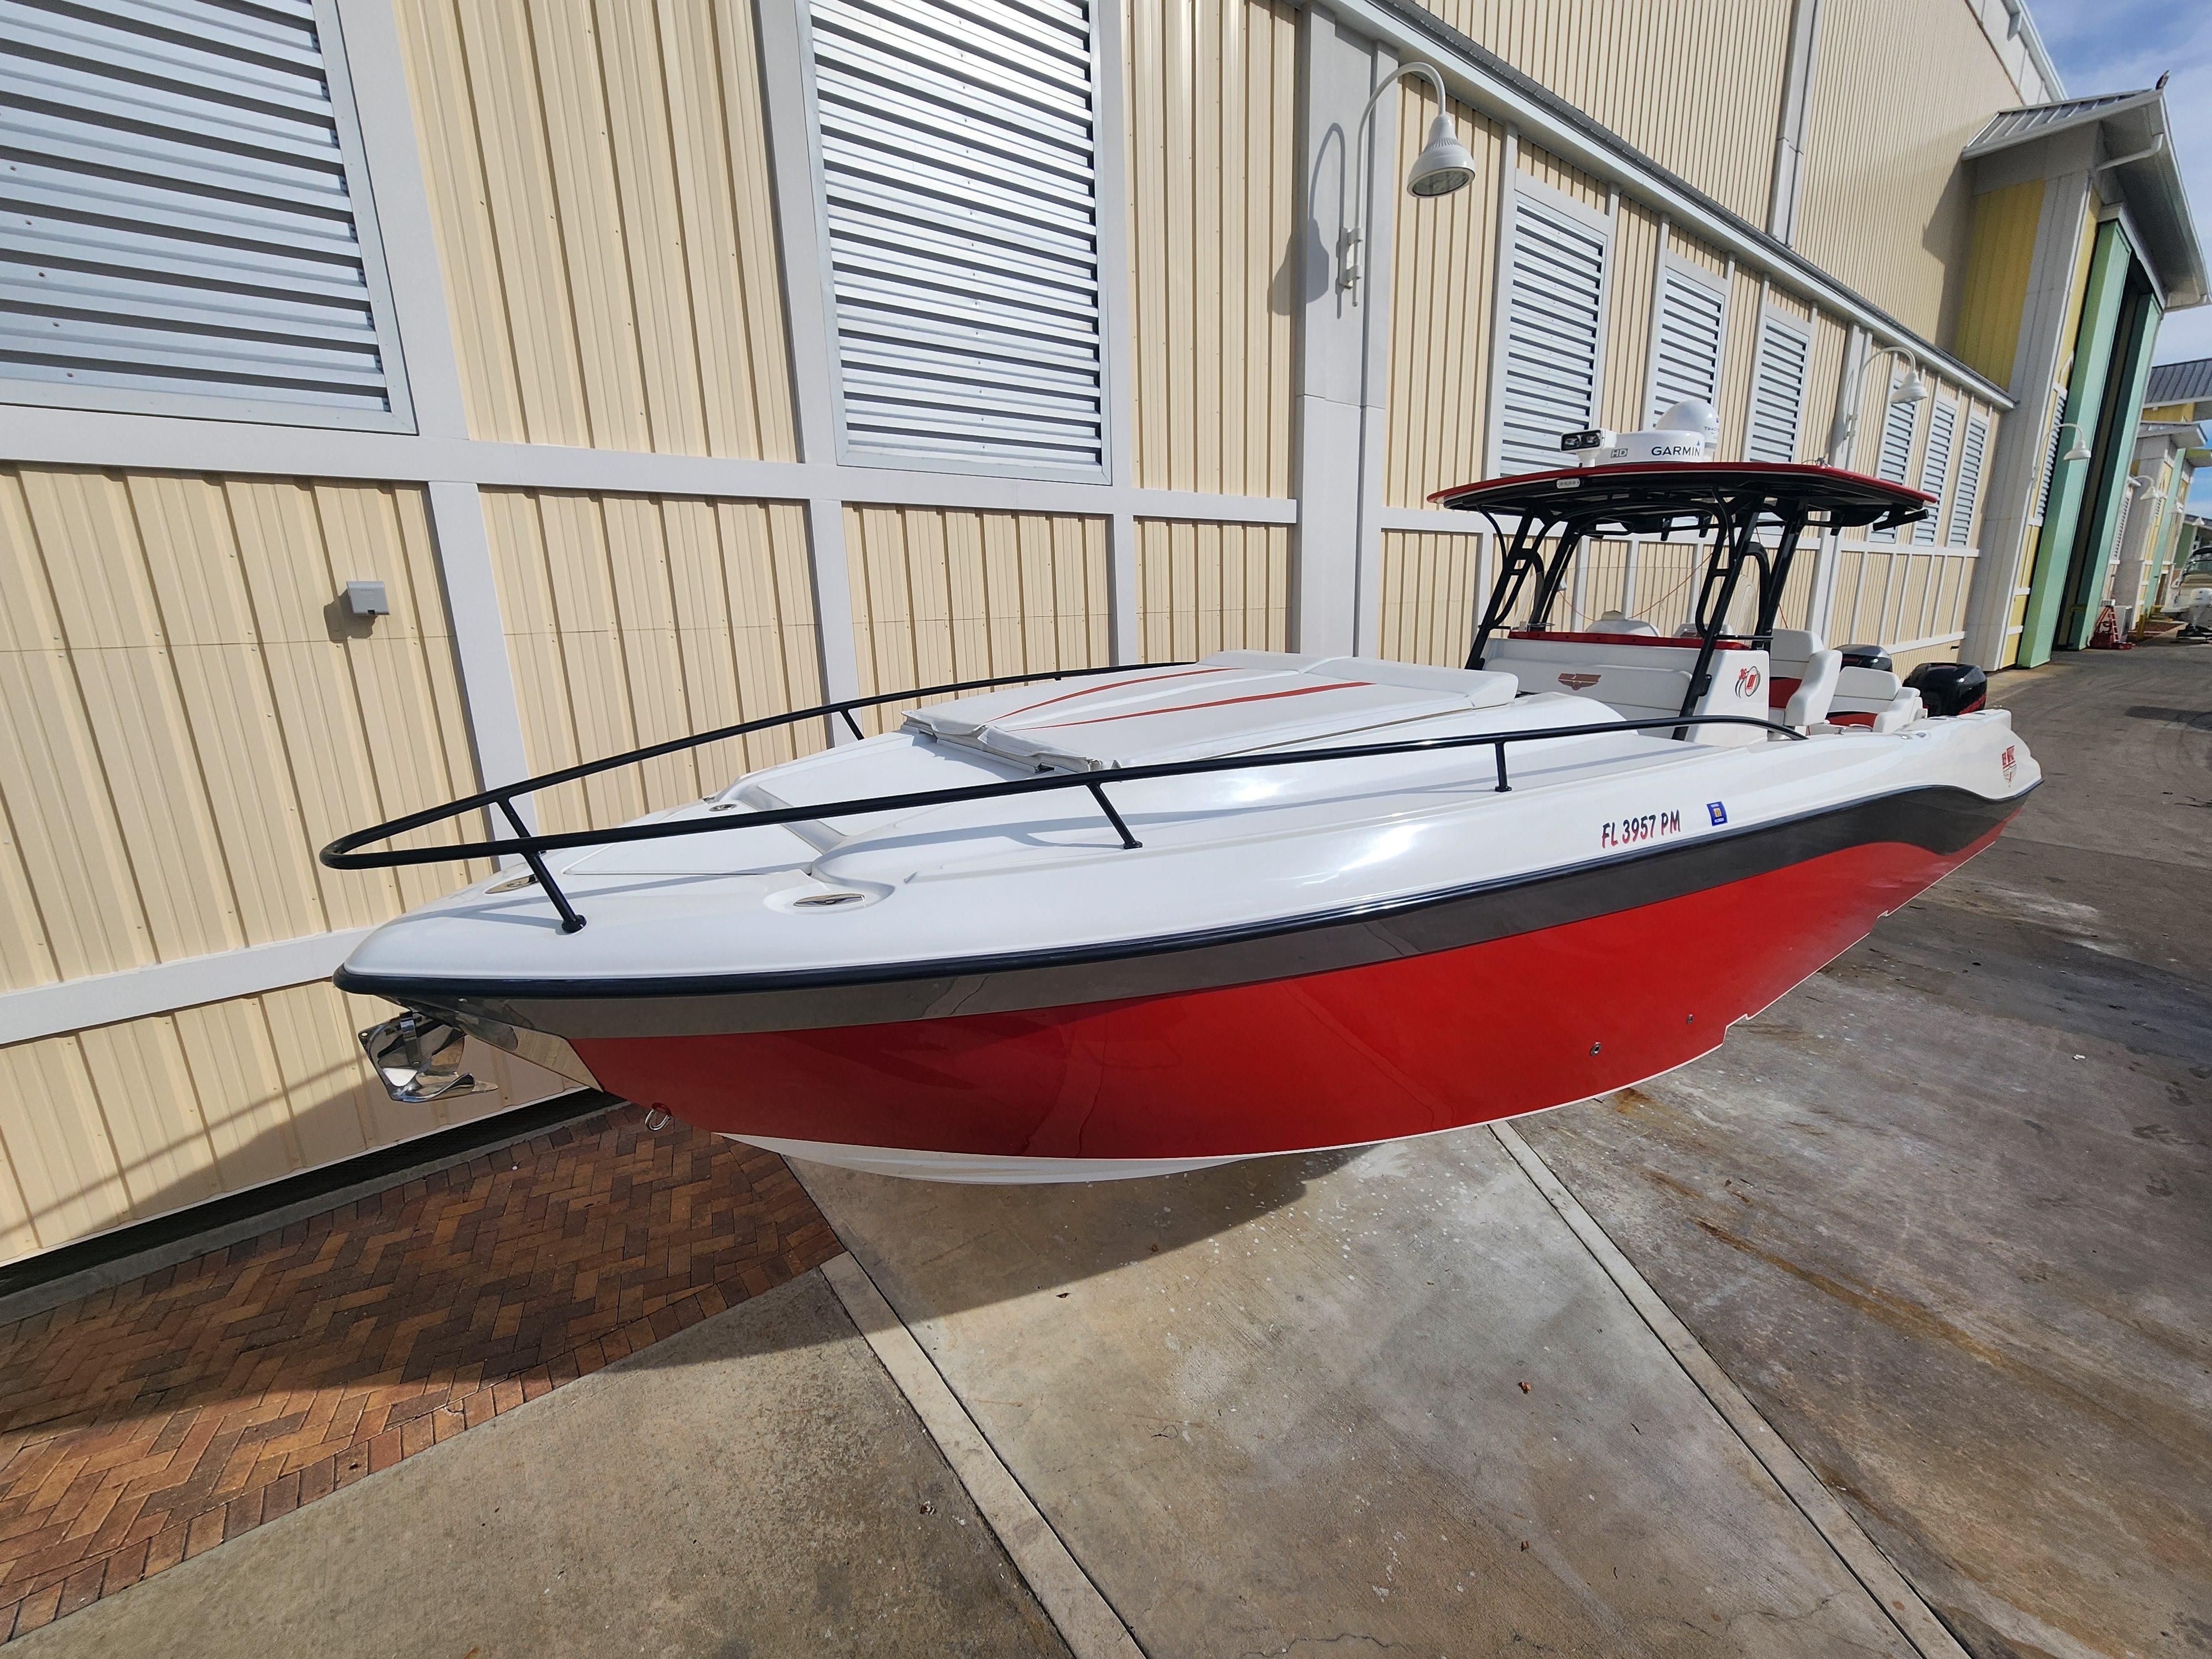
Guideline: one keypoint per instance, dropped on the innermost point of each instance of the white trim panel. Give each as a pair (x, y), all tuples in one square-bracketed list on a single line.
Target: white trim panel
[(73, 1005)]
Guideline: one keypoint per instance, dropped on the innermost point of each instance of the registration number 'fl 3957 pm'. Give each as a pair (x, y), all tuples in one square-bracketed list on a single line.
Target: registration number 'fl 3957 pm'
[(1633, 832)]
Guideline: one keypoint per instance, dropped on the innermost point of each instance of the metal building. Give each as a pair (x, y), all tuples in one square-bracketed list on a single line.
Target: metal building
[(403, 394)]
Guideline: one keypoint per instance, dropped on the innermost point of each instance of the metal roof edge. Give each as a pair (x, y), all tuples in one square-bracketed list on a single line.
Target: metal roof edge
[(1510, 95)]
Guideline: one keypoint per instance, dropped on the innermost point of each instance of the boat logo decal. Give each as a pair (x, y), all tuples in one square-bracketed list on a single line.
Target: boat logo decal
[(1746, 682), (1717, 812), (1645, 826), (1579, 682), (2008, 760)]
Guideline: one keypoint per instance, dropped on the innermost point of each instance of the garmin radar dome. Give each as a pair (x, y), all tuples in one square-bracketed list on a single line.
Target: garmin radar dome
[(1690, 431)]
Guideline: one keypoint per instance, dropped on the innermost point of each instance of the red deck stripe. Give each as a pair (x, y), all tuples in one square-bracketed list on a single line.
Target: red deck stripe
[(1218, 703), (1110, 685)]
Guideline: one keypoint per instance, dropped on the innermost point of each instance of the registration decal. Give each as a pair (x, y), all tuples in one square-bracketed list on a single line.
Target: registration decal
[(1644, 826)]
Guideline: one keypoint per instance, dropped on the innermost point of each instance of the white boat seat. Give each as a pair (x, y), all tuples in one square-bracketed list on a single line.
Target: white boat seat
[(1802, 683), (1641, 676), (1620, 622), (1872, 698)]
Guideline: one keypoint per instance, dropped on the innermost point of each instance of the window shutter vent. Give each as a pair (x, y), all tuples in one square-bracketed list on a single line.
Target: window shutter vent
[(960, 193), (1685, 353), (1971, 452), (1896, 453), (1935, 467), (1555, 305), (2051, 456), (1777, 392), (175, 215)]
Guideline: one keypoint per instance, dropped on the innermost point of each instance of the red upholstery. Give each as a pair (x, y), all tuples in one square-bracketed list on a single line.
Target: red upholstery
[(1780, 690), (1563, 638)]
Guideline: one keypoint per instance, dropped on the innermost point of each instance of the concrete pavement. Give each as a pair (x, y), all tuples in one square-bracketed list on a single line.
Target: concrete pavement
[(1945, 1212), (1941, 1215)]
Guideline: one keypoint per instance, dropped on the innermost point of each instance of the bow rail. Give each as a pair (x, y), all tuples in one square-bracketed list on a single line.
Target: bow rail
[(356, 851)]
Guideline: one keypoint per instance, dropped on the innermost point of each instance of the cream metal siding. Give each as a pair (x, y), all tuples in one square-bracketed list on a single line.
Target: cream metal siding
[(1208, 587), (632, 619), (1443, 272), (600, 178), (1432, 584), (185, 716), (179, 231), (1694, 84), (940, 595), (1628, 327), (1211, 123), (1882, 202), (125, 1122)]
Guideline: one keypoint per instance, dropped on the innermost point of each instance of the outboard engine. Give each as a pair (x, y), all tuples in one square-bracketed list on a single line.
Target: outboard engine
[(1950, 688), (1865, 656)]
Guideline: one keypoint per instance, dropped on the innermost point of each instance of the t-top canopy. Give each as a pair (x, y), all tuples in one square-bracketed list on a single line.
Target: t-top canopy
[(1645, 498)]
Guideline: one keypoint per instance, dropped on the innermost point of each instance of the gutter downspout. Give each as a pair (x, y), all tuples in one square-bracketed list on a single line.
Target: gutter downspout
[(1789, 136)]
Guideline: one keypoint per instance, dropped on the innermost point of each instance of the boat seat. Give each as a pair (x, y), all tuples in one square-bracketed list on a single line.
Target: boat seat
[(1620, 622), (1640, 676), (1872, 698), (1802, 683)]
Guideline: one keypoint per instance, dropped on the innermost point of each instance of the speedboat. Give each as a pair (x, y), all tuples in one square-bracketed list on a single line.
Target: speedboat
[(1121, 921)]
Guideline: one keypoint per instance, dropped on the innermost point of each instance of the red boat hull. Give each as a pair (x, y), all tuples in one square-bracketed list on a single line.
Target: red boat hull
[(1401, 1047)]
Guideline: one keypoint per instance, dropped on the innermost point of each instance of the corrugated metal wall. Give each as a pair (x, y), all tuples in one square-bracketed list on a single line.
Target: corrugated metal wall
[(1431, 584), (1635, 258), (1882, 201), (1212, 177), (185, 717), (941, 594), (1443, 279), (133, 1119), (601, 179), (632, 619), (2001, 253), (1208, 587), (1694, 84)]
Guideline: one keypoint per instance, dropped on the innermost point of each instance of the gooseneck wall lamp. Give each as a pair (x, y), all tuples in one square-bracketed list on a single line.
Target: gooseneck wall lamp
[(1443, 167), (1906, 388)]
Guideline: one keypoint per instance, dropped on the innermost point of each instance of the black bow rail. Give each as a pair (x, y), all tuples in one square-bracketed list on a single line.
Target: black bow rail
[(347, 852)]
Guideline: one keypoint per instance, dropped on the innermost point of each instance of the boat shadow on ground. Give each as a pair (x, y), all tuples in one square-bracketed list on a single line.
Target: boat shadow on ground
[(983, 1244)]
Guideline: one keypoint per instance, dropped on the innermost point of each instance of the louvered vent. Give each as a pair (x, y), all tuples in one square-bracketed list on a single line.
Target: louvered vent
[(1554, 306), (1895, 454), (1935, 467), (174, 217), (1970, 452), (2050, 455), (1777, 392), (1685, 353), (957, 168)]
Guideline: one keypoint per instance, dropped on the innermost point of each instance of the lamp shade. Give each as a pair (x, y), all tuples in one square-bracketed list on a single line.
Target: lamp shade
[(1909, 389), (1443, 165)]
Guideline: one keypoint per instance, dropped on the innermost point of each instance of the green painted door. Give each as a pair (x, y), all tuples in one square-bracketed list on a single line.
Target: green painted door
[(2103, 499), (2101, 309)]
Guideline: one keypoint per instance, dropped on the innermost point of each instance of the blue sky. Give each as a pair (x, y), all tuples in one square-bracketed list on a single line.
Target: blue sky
[(2118, 46)]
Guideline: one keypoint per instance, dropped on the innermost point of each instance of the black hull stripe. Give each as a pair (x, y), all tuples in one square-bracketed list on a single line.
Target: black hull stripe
[(1942, 821)]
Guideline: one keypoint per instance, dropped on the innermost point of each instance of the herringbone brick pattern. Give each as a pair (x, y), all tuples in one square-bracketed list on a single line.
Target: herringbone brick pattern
[(150, 1422)]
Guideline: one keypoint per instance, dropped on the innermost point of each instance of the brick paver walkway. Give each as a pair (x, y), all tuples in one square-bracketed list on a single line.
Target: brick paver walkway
[(148, 1423)]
